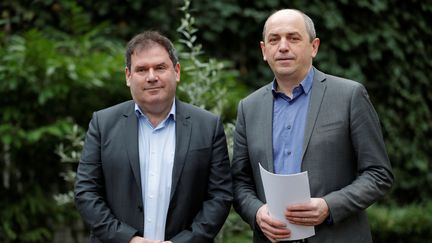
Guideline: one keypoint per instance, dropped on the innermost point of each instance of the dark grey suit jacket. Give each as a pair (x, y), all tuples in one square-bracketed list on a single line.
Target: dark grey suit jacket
[(108, 185), (343, 152)]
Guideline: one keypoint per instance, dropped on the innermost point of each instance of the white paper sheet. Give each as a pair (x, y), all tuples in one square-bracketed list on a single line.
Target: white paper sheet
[(283, 190)]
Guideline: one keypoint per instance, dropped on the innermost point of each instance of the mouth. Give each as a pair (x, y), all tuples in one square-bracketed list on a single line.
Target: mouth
[(153, 88), (284, 58)]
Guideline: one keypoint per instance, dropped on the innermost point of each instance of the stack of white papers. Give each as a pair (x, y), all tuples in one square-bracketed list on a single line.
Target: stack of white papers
[(283, 190)]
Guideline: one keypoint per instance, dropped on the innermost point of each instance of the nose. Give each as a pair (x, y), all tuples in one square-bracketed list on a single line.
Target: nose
[(151, 76), (283, 45)]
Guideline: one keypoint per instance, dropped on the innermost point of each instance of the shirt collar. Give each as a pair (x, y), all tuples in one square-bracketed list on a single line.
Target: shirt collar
[(306, 83), (172, 112)]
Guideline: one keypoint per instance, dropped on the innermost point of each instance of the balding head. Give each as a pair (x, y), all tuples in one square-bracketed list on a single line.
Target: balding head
[(292, 13)]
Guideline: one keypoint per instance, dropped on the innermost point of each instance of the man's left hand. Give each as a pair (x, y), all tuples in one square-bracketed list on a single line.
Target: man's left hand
[(310, 214)]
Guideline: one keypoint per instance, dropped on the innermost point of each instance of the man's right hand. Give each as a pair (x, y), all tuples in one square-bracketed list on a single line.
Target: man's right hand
[(273, 229)]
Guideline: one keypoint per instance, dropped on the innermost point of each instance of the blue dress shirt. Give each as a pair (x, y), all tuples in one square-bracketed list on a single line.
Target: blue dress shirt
[(289, 122), (156, 155)]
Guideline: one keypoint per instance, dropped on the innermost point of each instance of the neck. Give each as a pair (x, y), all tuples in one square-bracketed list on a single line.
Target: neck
[(286, 87), (287, 83), (156, 113)]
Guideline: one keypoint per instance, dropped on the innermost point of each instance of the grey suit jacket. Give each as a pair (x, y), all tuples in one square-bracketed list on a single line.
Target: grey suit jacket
[(343, 152), (108, 188)]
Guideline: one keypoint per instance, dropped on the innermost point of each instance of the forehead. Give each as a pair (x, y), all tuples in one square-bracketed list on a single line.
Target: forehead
[(285, 21), (147, 54)]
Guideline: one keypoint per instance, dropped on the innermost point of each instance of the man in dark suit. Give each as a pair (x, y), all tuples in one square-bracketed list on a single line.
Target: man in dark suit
[(306, 120), (153, 168)]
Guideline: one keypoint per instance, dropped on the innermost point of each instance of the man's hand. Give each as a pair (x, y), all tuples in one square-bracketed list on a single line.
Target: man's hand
[(137, 239), (273, 229), (310, 214)]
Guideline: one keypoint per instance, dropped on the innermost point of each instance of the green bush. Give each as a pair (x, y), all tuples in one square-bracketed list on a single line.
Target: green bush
[(47, 79), (401, 224)]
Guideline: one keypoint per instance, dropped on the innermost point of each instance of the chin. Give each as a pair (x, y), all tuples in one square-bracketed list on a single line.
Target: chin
[(285, 72)]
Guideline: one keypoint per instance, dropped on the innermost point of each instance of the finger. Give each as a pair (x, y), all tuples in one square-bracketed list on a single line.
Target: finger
[(303, 221), (298, 214), (274, 222), (298, 209), (274, 237), (275, 233)]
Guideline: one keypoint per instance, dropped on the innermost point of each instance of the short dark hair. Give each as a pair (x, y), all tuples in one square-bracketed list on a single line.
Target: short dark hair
[(147, 39)]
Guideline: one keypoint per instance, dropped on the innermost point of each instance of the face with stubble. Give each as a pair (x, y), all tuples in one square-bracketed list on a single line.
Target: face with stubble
[(152, 78), (287, 47)]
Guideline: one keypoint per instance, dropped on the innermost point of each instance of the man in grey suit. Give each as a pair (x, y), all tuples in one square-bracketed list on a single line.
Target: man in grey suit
[(153, 169), (306, 120)]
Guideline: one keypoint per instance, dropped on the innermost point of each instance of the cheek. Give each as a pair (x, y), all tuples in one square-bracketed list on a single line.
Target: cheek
[(134, 86), (173, 86), (133, 90), (270, 52)]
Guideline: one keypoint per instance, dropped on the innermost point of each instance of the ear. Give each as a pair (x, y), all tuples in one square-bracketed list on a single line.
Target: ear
[(315, 46), (262, 45), (127, 76), (177, 71)]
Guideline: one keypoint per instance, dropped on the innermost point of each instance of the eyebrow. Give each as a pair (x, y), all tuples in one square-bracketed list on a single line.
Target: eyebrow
[(156, 65), (295, 33), (288, 33), (140, 66)]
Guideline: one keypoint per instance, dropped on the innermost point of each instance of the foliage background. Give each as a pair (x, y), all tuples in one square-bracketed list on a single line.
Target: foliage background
[(61, 60)]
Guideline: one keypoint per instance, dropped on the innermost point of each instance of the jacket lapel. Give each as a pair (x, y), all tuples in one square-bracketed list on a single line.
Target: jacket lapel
[(183, 134), (130, 138), (317, 94), (267, 128)]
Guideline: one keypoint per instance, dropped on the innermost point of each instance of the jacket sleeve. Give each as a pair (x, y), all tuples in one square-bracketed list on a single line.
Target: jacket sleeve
[(246, 201), (373, 166), (90, 192)]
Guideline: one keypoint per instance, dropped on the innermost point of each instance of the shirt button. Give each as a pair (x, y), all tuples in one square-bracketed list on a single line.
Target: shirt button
[(289, 126), (289, 153)]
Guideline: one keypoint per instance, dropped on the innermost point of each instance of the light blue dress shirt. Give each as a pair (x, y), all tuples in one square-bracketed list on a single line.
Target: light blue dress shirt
[(289, 122), (156, 155)]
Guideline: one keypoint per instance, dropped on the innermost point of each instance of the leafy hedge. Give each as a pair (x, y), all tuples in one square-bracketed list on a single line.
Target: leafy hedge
[(49, 81), (397, 224)]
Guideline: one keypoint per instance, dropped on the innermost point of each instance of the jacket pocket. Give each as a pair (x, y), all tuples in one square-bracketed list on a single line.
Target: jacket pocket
[(333, 125)]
